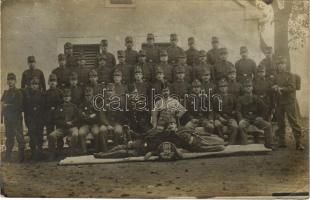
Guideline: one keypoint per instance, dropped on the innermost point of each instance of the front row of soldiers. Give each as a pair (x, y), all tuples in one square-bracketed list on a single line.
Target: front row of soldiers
[(71, 113)]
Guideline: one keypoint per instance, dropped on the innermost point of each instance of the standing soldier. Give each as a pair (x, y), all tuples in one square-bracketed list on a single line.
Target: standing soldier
[(269, 63), (104, 70), (97, 88), (82, 71), (250, 114), (76, 94), (145, 67), (11, 115), (285, 90), (165, 66), (66, 119), (225, 113), (201, 65), (130, 54), (109, 57), (139, 83), (123, 67), (192, 54), (174, 50), (71, 60), (34, 111), (32, 72), (188, 70), (207, 85), (222, 66), (119, 87), (62, 72), (180, 87), (152, 51), (213, 54), (245, 67), (159, 81), (234, 87)]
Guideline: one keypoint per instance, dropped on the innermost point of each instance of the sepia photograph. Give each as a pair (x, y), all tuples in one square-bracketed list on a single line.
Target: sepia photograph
[(154, 99)]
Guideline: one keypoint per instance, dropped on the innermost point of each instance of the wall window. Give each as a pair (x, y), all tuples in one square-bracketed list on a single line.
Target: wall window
[(89, 51)]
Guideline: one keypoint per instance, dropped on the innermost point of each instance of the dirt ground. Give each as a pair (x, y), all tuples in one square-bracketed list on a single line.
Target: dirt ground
[(285, 170)]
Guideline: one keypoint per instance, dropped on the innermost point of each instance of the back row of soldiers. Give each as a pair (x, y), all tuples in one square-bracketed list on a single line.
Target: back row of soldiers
[(68, 110)]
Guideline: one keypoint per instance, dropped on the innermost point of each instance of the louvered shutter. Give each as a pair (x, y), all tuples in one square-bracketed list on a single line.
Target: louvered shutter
[(90, 52)]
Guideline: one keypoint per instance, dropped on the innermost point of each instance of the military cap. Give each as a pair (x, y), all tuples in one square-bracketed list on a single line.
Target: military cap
[(222, 83), (202, 53), (182, 55), (137, 69), (101, 57), (191, 40), (268, 49), (142, 52), (73, 76), (110, 86), (163, 53), (243, 49), (159, 70), (223, 50), (196, 83), (281, 60), (232, 69), (35, 80), (120, 53), (215, 39), (205, 71), (150, 36), (52, 77), (260, 68), (180, 70), (11, 76), (68, 45), (173, 36), (128, 39), (31, 59), (92, 73), (61, 56), (88, 91), (117, 73), (247, 82), (104, 43), (67, 92)]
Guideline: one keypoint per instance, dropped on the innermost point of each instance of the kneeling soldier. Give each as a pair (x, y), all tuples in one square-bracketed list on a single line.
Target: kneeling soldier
[(12, 107), (66, 118), (250, 112)]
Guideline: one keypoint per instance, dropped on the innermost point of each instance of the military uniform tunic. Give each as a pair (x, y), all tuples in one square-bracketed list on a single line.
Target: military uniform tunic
[(29, 74), (192, 56), (131, 56), (173, 54), (152, 54), (245, 68), (62, 74)]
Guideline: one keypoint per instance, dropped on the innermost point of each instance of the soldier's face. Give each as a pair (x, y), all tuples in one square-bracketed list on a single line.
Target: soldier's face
[(121, 59), (117, 79), (102, 62), (160, 76), (196, 90), (244, 54), (166, 93), (32, 65), (202, 58), (173, 42), (223, 56), (215, 45), (150, 41), (67, 98), (180, 76), (11, 82), (191, 44), (248, 89), (138, 76), (69, 51), (34, 86), (206, 77), (82, 62), (62, 62), (73, 82), (232, 76), (223, 89), (172, 126), (52, 84), (163, 58), (104, 48), (129, 45), (142, 58), (282, 66), (93, 79)]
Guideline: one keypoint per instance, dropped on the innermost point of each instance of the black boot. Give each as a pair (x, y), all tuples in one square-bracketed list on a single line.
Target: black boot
[(21, 155), (7, 157)]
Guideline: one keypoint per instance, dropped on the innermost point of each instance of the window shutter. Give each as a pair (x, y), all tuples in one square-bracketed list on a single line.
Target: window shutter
[(89, 51)]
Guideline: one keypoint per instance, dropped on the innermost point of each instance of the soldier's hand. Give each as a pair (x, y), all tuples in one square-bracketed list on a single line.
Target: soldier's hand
[(92, 115)]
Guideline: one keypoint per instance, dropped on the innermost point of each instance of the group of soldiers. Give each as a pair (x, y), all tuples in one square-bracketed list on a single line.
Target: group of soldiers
[(249, 98)]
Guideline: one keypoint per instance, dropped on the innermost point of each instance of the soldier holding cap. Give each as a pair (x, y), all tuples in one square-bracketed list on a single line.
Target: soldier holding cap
[(104, 71), (53, 98), (34, 109), (76, 93), (213, 54), (71, 60), (284, 89), (33, 71), (131, 55), (222, 66), (123, 67), (174, 50), (146, 68), (246, 67), (66, 120), (11, 115), (270, 63), (152, 51), (109, 57), (250, 114), (224, 116), (192, 54), (62, 72), (165, 66)]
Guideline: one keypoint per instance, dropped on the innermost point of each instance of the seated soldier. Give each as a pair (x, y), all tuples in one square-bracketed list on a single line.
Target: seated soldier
[(146, 68), (180, 87), (119, 88), (82, 71), (89, 121), (122, 66), (187, 69), (165, 66), (225, 122), (250, 112), (93, 82), (207, 84), (234, 87), (104, 71), (66, 120), (159, 81), (139, 83)]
